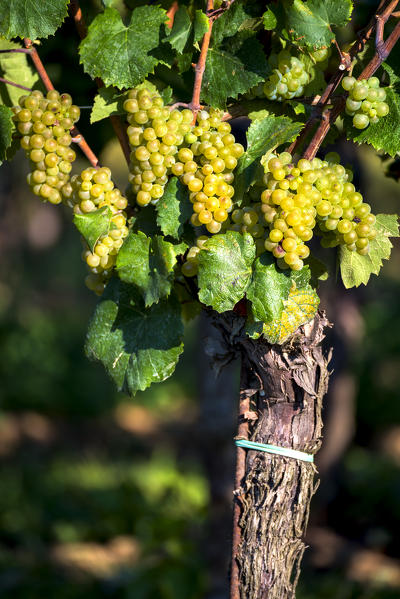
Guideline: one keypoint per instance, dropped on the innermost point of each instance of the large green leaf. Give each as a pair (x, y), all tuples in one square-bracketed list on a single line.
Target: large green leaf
[(14, 67), (262, 135), (147, 263), (6, 129), (309, 22), (137, 345), (93, 225), (225, 269), (227, 75), (384, 135), (268, 289), (123, 55), (174, 208), (31, 18), (355, 269)]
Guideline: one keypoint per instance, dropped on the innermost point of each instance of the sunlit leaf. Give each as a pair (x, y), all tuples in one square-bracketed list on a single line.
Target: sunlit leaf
[(225, 269), (300, 307)]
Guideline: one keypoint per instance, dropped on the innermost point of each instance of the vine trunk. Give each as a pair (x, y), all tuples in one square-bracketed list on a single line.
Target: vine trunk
[(281, 394)]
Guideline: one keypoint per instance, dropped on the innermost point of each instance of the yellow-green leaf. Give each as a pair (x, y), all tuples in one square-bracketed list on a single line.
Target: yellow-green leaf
[(299, 308)]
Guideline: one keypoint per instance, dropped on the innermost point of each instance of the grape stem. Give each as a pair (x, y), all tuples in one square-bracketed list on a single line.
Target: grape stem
[(215, 14), (383, 13), (15, 50), (171, 14), (84, 146), (194, 105), (8, 82), (119, 130)]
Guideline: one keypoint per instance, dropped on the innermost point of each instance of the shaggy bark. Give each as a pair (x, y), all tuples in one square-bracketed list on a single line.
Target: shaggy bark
[(286, 385), (280, 403)]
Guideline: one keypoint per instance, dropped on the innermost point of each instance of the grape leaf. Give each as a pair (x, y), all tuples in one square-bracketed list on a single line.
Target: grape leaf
[(227, 75), (201, 25), (240, 16), (174, 208), (107, 102), (6, 129), (384, 135), (30, 18), (181, 29), (14, 67), (225, 269), (309, 22), (269, 20), (147, 263), (93, 225), (137, 345), (268, 289), (262, 135), (299, 308), (145, 221), (119, 55), (266, 134), (355, 269)]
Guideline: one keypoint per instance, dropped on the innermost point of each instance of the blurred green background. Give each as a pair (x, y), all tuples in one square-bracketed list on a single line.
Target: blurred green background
[(106, 496)]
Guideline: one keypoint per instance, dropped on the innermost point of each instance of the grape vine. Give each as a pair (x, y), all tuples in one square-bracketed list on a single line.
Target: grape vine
[(222, 214)]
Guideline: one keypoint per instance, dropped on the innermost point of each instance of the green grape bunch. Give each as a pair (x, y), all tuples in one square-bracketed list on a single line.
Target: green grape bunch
[(312, 195), (206, 167), (44, 124), (366, 101), (291, 74), (93, 189), (155, 133)]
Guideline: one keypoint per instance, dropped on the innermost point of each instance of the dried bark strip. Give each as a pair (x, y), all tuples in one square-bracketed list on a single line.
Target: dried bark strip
[(287, 384)]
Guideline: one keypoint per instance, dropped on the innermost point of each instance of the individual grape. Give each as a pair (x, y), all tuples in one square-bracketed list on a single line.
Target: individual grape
[(365, 102), (47, 142), (382, 109), (360, 121), (348, 83)]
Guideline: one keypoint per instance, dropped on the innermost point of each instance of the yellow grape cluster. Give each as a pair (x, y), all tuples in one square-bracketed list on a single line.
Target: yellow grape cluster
[(206, 167), (318, 192), (155, 133), (44, 124), (94, 189)]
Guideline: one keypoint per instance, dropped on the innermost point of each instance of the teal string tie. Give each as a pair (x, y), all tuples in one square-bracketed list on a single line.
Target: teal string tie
[(285, 451)]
